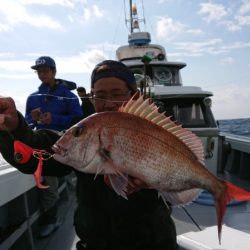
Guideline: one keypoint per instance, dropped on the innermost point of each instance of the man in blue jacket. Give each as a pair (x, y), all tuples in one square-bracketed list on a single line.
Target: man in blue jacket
[(53, 106)]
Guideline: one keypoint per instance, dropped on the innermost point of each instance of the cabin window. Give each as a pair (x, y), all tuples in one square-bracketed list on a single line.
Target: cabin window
[(188, 112)]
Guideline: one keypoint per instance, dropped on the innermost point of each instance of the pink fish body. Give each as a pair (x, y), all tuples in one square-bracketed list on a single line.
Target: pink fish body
[(138, 141)]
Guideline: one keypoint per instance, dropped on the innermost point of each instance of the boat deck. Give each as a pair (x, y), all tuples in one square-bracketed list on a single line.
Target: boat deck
[(193, 217), (64, 237)]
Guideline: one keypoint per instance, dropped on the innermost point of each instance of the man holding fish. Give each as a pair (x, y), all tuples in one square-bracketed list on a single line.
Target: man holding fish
[(103, 219)]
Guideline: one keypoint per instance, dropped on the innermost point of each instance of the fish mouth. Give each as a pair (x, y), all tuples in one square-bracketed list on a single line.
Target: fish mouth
[(59, 150)]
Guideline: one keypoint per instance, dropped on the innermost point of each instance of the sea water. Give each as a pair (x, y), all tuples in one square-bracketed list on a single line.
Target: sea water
[(235, 126)]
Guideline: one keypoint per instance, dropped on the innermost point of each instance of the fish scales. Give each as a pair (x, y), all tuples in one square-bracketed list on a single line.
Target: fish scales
[(146, 151)]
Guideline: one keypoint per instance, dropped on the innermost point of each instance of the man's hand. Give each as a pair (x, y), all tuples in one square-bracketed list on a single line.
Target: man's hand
[(39, 117), (136, 185), (46, 118), (35, 114), (8, 114)]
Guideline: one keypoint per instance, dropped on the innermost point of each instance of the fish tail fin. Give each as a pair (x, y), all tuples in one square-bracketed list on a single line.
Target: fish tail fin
[(232, 193)]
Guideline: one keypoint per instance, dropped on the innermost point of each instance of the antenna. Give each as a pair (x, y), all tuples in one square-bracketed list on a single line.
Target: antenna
[(134, 20)]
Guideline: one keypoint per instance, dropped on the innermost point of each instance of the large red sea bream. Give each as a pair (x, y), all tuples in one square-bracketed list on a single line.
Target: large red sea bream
[(139, 141)]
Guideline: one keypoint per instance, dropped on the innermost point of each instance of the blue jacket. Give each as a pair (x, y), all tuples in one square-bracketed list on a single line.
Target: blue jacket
[(63, 105)]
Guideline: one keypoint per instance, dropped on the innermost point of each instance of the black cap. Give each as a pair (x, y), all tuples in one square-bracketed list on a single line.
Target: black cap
[(81, 89), (110, 68), (44, 61)]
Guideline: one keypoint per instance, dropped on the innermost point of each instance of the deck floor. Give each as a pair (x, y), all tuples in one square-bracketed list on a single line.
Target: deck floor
[(64, 237)]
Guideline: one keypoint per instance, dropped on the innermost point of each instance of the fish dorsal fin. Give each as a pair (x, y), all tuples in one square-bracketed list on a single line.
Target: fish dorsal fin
[(149, 111)]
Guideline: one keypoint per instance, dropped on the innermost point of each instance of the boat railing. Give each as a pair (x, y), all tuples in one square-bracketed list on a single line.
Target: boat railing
[(235, 155), (19, 206)]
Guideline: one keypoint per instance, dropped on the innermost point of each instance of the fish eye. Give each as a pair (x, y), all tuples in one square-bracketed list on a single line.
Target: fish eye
[(77, 131)]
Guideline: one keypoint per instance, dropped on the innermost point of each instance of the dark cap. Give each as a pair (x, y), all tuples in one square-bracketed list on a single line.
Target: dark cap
[(81, 89), (110, 68), (44, 61)]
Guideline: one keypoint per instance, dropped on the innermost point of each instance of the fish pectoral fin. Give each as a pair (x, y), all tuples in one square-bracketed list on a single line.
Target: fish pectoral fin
[(119, 183), (105, 153), (181, 197), (118, 180), (106, 167), (100, 169)]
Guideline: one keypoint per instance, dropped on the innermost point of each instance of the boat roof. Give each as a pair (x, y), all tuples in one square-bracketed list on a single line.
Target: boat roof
[(137, 62), (185, 91), (132, 55), (125, 51)]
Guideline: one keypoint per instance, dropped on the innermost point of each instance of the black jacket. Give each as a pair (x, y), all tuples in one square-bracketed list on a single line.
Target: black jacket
[(87, 107), (102, 219)]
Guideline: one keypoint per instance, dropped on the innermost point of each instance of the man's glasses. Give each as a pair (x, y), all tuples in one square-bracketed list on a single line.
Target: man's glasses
[(113, 97)]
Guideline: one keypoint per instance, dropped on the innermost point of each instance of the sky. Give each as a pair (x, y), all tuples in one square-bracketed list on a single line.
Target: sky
[(211, 37)]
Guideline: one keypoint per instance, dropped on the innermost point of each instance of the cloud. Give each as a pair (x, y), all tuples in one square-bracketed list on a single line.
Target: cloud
[(231, 26), (164, 1), (17, 76), (68, 3), (167, 28), (97, 12), (213, 47), (86, 13), (195, 31), (43, 21), (200, 48), (92, 11), (245, 7), (6, 54), (213, 12), (83, 62), (243, 20), (15, 14), (4, 27), (231, 98), (240, 18), (107, 48), (227, 61), (217, 12), (15, 65), (236, 45)]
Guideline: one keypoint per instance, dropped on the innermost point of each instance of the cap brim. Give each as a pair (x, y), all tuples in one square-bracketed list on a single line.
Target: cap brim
[(40, 66), (34, 67)]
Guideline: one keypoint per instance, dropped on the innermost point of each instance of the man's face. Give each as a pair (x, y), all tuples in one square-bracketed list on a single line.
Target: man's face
[(46, 75), (109, 94), (81, 93)]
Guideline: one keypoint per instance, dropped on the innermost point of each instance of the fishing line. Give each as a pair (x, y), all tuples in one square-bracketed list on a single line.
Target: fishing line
[(72, 98), (189, 215), (58, 97), (97, 98), (92, 98)]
